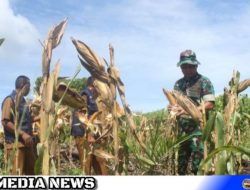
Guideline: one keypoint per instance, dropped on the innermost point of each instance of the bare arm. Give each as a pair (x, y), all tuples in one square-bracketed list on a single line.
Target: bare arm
[(9, 125)]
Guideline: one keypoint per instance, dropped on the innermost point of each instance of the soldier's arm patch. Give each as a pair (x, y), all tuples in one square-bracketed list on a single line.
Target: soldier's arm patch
[(209, 98)]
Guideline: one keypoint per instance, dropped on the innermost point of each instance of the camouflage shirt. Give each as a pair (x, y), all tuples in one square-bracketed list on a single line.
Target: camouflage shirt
[(197, 88)]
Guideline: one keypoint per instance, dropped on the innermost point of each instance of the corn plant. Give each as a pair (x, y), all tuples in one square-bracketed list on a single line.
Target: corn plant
[(106, 83), (49, 81), (220, 130), (160, 158), (226, 137)]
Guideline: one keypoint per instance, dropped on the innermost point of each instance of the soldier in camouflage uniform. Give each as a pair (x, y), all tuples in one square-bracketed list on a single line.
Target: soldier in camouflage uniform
[(197, 88)]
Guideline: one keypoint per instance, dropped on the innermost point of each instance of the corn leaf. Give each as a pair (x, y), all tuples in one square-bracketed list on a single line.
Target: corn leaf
[(102, 154), (247, 115), (57, 33), (146, 161), (52, 167), (209, 127), (220, 165), (91, 61), (39, 161), (219, 128), (237, 149)]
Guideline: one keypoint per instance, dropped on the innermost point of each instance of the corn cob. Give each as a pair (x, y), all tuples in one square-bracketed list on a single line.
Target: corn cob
[(104, 92), (170, 97), (243, 85), (188, 106), (71, 98)]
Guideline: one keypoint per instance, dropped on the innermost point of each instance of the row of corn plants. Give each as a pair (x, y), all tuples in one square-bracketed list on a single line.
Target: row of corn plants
[(224, 132)]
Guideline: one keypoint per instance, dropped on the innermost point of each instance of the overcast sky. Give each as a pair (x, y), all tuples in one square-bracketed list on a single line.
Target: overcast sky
[(148, 36)]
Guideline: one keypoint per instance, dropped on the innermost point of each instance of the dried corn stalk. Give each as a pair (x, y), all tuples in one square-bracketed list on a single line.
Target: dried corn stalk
[(18, 99), (231, 104), (71, 97), (54, 38), (118, 110), (102, 154), (92, 62), (144, 129), (47, 87), (35, 108), (112, 86), (104, 92), (95, 65), (128, 112), (230, 107), (111, 79), (115, 76)]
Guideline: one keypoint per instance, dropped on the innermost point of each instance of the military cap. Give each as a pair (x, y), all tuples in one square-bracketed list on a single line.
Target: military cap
[(188, 57)]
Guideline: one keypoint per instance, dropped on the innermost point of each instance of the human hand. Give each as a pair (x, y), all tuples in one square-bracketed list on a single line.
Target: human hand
[(28, 141), (178, 110), (83, 125), (169, 108), (91, 139)]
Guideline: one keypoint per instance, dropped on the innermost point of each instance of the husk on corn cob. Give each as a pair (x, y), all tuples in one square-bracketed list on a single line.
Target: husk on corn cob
[(91, 61), (243, 85), (71, 98), (188, 106), (170, 97)]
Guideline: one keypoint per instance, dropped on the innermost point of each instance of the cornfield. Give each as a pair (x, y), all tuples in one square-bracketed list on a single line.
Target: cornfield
[(132, 143)]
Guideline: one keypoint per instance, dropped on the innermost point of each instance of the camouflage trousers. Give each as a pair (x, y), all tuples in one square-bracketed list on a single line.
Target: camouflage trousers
[(192, 148)]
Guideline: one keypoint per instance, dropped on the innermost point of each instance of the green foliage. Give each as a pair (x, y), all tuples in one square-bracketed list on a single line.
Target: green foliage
[(156, 115), (38, 83), (160, 154), (241, 150), (219, 126), (1, 157), (209, 127), (219, 103), (65, 135), (75, 171), (39, 161), (241, 119)]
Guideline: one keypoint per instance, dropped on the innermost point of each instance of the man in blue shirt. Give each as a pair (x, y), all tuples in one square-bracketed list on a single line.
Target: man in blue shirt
[(26, 157), (78, 131)]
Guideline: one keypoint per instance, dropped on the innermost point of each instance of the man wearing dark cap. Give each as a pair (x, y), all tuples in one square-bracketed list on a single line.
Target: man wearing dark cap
[(23, 160), (198, 88)]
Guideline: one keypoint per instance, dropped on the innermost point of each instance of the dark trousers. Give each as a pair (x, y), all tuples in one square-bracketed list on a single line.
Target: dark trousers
[(22, 161)]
